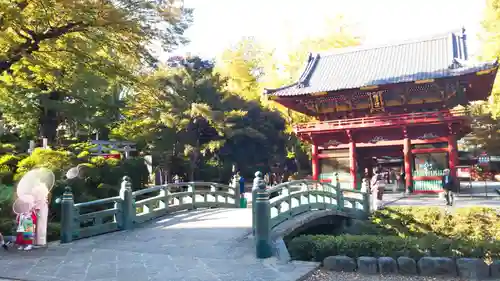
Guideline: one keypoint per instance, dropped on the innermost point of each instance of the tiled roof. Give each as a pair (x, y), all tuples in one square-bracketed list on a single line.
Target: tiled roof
[(350, 68)]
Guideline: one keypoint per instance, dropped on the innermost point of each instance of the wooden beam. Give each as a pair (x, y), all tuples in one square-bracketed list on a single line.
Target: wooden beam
[(424, 81), (368, 88), (428, 150), (435, 140)]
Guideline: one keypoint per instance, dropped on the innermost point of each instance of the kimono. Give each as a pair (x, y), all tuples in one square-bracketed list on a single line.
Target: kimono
[(377, 190), (26, 225)]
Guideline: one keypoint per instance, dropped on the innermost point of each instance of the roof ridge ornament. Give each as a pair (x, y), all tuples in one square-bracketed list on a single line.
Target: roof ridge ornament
[(304, 78), (457, 63)]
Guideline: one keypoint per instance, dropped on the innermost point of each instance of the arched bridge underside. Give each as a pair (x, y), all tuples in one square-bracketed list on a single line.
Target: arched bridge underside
[(307, 220), (297, 205)]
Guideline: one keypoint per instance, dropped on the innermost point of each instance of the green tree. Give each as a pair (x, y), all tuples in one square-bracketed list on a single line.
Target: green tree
[(56, 56), (250, 67), (242, 66), (183, 109), (491, 46), (485, 135)]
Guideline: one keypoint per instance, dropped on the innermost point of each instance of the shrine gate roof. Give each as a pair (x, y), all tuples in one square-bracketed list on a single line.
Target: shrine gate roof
[(439, 56)]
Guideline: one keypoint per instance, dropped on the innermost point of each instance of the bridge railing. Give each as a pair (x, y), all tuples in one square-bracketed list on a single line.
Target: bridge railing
[(105, 219), (293, 198), (122, 212), (175, 197)]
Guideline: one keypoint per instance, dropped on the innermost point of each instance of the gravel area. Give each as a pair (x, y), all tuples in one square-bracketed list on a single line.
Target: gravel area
[(323, 275)]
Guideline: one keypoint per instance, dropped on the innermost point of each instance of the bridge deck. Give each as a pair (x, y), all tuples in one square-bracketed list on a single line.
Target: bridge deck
[(200, 245)]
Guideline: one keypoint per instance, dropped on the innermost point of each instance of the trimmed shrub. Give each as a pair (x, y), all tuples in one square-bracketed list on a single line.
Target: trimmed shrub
[(474, 223), (318, 247)]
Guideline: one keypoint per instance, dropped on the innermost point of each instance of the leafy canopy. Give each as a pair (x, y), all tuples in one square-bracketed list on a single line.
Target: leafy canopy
[(61, 55)]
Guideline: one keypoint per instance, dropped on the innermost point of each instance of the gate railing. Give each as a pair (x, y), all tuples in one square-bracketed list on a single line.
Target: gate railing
[(122, 212), (384, 120)]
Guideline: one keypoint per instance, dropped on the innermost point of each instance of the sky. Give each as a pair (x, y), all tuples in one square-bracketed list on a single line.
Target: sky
[(218, 24)]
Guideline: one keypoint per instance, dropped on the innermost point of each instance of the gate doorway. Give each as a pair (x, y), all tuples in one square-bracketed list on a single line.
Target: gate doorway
[(389, 159)]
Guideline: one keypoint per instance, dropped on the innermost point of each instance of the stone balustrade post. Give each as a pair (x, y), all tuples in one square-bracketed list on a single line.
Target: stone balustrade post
[(254, 196), (127, 205), (262, 218), (340, 198), (67, 216), (366, 203)]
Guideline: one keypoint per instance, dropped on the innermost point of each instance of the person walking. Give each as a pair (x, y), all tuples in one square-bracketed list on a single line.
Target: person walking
[(449, 187)]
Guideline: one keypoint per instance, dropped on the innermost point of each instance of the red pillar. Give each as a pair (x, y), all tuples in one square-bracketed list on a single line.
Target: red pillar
[(407, 161), (452, 155), (315, 162), (352, 161)]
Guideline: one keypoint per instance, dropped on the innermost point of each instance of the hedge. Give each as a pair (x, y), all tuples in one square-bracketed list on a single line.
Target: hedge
[(472, 223), (318, 247)]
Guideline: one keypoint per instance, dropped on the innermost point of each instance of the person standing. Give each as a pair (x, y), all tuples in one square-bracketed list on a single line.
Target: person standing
[(267, 179), (176, 178), (241, 182), (365, 185), (449, 186), (377, 189), (26, 227)]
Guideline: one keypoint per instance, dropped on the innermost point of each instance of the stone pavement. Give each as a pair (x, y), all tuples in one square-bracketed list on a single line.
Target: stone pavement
[(462, 201), (204, 245), (471, 194)]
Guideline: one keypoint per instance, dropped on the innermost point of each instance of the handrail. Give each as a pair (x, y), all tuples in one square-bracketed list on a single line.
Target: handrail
[(280, 186), (385, 118), (129, 210), (149, 190), (299, 196), (98, 202), (180, 184)]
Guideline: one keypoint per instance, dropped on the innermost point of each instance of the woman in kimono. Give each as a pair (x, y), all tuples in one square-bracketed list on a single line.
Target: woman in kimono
[(377, 185), (26, 227)]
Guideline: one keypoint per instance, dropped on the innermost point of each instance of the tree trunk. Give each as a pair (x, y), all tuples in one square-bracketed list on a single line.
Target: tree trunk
[(103, 133), (49, 119), (193, 165)]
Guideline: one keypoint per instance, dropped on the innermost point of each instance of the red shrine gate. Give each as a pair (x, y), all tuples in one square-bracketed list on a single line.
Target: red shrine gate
[(413, 136), (368, 105)]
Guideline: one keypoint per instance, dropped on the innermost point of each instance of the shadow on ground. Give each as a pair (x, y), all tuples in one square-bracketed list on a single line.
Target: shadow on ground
[(205, 245)]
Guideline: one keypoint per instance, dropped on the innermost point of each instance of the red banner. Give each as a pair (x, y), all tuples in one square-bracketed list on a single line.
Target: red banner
[(113, 156)]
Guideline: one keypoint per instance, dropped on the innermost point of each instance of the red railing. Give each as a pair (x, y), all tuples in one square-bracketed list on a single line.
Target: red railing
[(383, 121)]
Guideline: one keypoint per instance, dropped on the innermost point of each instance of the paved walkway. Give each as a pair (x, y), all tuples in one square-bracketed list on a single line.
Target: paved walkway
[(477, 194), (204, 245), (465, 201)]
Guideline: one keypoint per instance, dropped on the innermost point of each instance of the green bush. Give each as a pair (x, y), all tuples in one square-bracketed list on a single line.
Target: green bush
[(6, 215), (53, 231), (7, 148), (8, 167), (57, 161), (318, 247), (474, 223)]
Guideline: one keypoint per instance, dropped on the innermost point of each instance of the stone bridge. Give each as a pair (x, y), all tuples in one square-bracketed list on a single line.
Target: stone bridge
[(289, 207), (185, 231)]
